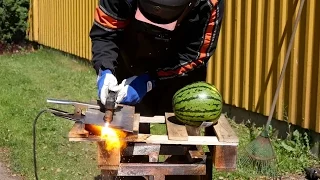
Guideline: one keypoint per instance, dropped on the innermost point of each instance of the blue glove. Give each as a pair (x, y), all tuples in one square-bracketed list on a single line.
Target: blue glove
[(133, 89), (105, 81)]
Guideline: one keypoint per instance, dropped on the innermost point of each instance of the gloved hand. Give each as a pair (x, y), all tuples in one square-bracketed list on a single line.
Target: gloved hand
[(106, 81), (133, 89)]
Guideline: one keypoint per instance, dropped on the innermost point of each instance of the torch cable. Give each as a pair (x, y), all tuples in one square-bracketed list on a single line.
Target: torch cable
[(34, 142)]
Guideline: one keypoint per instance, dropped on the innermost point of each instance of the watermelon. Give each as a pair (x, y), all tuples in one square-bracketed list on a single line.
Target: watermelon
[(196, 103)]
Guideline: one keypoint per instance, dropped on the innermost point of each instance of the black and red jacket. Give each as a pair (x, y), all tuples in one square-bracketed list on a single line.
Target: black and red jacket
[(164, 54)]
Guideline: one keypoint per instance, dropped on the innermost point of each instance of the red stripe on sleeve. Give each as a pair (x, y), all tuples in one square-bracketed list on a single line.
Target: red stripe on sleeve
[(108, 21), (204, 47)]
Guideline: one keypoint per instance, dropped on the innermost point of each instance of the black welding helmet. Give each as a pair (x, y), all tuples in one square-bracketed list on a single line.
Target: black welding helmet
[(162, 13)]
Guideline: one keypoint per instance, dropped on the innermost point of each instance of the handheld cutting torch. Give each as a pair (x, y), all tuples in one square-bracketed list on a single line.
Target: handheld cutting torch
[(118, 116), (95, 113), (110, 106)]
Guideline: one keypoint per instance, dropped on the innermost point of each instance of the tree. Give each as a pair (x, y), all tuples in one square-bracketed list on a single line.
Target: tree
[(13, 20)]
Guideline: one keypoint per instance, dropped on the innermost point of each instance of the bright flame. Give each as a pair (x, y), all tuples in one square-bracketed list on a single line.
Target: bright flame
[(113, 137)]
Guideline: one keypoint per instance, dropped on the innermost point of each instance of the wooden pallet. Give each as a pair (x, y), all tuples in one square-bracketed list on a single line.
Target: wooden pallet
[(180, 140)]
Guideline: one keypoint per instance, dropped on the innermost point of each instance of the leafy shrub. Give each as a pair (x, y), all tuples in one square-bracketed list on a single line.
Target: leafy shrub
[(13, 20)]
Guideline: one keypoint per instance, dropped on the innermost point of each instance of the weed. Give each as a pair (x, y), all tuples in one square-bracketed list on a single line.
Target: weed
[(293, 153)]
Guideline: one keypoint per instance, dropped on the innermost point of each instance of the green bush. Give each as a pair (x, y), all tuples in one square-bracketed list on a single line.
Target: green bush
[(13, 20)]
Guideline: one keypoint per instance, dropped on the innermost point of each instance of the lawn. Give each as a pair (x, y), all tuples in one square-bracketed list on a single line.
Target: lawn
[(28, 80), (26, 83)]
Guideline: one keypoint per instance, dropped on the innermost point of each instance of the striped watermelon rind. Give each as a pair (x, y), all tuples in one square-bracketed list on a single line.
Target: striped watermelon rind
[(196, 103)]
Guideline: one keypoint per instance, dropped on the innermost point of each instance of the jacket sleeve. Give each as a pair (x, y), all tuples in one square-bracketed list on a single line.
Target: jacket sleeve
[(201, 43), (110, 18)]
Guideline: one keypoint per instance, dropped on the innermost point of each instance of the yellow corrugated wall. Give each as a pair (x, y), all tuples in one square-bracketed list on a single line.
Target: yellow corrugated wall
[(248, 60), (251, 52), (63, 25)]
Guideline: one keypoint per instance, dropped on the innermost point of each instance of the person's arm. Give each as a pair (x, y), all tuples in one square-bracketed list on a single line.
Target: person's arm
[(110, 18), (201, 43)]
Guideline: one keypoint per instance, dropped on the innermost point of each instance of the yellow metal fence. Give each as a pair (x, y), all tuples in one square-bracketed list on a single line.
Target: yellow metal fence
[(248, 60), (63, 25)]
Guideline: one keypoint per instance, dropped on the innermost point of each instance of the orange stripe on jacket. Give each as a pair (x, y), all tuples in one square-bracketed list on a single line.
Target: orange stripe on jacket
[(203, 49), (108, 21)]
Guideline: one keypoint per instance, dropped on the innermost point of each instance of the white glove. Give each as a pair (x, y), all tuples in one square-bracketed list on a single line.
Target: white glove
[(106, 81)]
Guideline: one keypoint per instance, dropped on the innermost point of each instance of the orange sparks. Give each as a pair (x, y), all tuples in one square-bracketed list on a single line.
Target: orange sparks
[(113, 137)]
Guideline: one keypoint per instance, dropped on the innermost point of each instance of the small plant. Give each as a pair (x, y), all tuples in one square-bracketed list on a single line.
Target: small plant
[(294, 152)]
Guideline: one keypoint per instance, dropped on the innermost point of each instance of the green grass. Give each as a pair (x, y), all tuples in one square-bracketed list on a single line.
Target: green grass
[(28, 80)]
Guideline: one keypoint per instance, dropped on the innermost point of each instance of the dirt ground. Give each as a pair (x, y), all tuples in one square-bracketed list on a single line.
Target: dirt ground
[(5, 172), (289, 177), (6, 175)]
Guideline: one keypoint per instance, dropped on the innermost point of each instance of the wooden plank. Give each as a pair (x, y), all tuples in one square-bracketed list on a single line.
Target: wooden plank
[(225, 158), (142, 169), (197, 154), (163, 139), (175, 130), (136, 123), (78, 131), (141, 149), (159, 177), (224, 131), (153, 119), (90, 138), (194, 131), (147, 149), (110, 158), (154, 157), (192, 140)]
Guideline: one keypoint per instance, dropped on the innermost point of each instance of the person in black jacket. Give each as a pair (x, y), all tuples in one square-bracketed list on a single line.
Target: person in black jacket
[(153, 47)]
